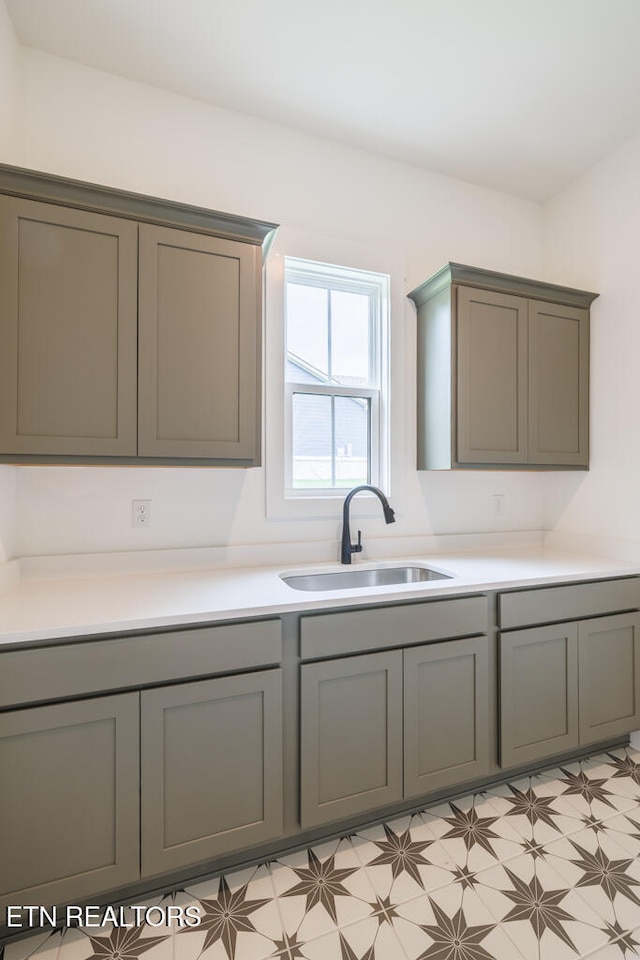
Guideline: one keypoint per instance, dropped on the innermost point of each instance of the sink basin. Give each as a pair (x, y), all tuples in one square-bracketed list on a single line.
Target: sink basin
[(374, 577)]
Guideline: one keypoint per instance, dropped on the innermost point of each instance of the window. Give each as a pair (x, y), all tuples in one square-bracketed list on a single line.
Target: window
[(335, 373)]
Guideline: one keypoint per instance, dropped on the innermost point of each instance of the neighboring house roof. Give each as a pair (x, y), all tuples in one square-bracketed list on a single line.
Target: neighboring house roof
[(312, 418)]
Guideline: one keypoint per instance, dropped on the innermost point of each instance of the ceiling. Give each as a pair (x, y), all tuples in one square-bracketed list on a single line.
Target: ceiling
[(517, 95)]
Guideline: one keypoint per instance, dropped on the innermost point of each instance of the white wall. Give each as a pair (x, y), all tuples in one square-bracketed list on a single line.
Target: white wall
[(93, 126), (9, 53), (591, 232)]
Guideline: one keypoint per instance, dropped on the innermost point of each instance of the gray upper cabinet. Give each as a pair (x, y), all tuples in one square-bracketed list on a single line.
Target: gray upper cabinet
[(130, 327), (199, 349), (503, 371), (68, 308)]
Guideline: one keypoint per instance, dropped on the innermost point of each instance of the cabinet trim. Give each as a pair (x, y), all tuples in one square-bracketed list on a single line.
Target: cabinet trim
[(504, 282), (22, 182)]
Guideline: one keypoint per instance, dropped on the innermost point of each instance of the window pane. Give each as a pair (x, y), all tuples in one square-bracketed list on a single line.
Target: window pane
[(312, 441), (350, 338), (307, 333), (330, 441), (351, 441)]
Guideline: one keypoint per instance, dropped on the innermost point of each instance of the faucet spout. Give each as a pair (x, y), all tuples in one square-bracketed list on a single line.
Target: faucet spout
[(347, 548)]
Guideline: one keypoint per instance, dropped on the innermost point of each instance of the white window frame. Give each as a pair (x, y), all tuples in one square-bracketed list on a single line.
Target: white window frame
[(376, 287), (397, 416)]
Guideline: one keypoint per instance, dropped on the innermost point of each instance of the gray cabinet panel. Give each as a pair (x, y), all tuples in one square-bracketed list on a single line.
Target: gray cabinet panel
[(492, 377), (568, 602), (69, 818), (332, 634), (558, 384), (68, 317), (503, 368), (609, 676), (74, 669), (211, 768), (351, 736), (199, 345), (538, 693), (446, 714)]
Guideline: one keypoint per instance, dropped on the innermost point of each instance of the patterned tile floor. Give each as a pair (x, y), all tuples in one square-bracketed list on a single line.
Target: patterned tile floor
[(544, 868)]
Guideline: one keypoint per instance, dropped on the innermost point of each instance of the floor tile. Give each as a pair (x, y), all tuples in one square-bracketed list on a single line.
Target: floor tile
[(322, 889), (473, 835), (403, 859), (546, 867), (239, 918), (452, 922)]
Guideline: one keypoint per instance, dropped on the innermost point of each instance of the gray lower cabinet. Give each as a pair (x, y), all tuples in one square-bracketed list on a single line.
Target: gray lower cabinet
[(447, 719), (568, 685), (69, 810), (538, 693), (211, 768), (383, 726), (609, 676), (350, 736)]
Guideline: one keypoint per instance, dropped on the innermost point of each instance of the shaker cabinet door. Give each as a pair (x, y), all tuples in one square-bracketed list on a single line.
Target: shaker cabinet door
[(538, 693), (69, 813), (558, 384), (351, 736), (199, 315), (492, 377), (446, 714), (609, 676), (211, 768), (68, 328)]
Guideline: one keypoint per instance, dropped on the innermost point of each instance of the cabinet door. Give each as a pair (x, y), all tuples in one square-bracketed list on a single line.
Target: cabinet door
[(609, 676), (69, 817), (446, 714), (492, 377), (538, 693), (199, 315), (351, 736), (68, 327), (558, 384), (211, 768)]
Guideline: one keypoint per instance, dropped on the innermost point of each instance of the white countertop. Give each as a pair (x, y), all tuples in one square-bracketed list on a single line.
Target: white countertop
[(36, 609)]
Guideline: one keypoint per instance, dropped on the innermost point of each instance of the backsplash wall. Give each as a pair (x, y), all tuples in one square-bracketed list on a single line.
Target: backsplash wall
[(90, 125)]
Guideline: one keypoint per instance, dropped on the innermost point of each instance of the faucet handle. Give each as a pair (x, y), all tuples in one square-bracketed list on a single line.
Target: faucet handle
[(357, 547)]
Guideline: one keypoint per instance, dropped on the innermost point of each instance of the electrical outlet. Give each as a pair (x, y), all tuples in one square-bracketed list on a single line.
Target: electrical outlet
[(141, 513), (499, 504)]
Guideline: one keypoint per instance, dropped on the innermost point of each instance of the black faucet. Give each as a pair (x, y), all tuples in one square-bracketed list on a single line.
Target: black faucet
[(347, 547)]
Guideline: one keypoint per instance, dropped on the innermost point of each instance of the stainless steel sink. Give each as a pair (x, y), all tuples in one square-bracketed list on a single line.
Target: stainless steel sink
[(374, 577)]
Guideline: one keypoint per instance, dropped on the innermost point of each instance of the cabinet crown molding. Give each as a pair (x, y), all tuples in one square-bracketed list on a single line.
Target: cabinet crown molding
[(49, 188), (460, 273)]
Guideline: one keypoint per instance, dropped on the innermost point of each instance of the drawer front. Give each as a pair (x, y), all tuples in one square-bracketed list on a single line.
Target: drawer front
[(570, 602), (74, 669), (333, 634)]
